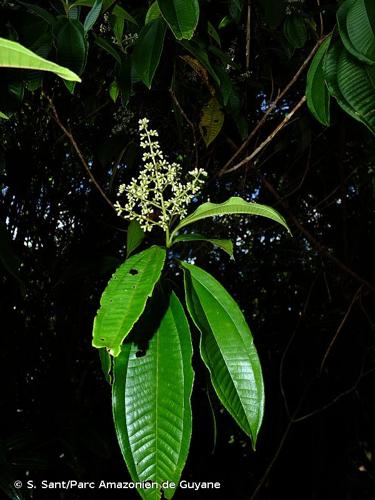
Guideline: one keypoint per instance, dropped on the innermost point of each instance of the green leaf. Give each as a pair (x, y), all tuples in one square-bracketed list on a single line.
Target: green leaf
[(3, 116), (114, 91), (356, 82), (235, 9), (360, 24), (40, 12), (342, 13), (125, 297), (318, 97), (89, 3), (135, 237), (148, 49), (71, 44), (234, 205), (211, 121), (152, 13), (295, 31), (213, 33), (225, 245), (14, 55), (151, 403), (181, 16), (106, 364), (108, 47), (227, 349), (123, 14), (93, 15), (330, 75)]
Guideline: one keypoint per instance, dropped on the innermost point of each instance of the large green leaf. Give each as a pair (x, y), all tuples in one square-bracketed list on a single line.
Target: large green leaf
[(356, 82), (360, 24), (318, 97), (233, 206), (342, 13), (125, 297), (330, 75), (181, 15), (148, 50), (71, 44), (151, 403), (227, 349), (14, 55), (225, 245)]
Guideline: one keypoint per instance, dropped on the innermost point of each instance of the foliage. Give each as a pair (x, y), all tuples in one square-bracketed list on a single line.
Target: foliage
[(222, 83)]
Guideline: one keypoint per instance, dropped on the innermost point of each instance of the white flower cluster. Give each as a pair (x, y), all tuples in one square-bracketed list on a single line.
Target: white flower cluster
[(157, 195)]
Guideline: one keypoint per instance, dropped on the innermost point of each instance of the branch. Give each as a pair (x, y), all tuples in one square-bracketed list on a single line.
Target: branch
[(314, 242), (273, 105), (256, 151), (342, 323), (73, 142)]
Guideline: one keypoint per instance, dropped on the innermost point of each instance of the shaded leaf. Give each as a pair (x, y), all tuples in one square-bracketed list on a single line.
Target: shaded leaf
[(148, 49), (181, 16), (213, 33), (295, 31), (3, 116), (360, 25), (71, 44), (125, 297), (227, 349), (108, 47), (318, 97), (211, 121), (225, 245), (123, 14), (341, 15), (14, 55), (135, 236), (152, 13), (151, 402)]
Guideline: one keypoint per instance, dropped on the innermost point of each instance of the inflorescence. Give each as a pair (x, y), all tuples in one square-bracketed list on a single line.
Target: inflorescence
[(157, 196)]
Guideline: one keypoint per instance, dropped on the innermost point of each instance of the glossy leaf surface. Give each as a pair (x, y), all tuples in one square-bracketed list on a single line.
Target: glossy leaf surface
[(151, 403), (233, 206), (181, 15), (125, 297), (227, 349)]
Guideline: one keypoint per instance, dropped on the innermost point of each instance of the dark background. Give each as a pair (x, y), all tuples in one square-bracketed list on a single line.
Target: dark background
[(307, 298)]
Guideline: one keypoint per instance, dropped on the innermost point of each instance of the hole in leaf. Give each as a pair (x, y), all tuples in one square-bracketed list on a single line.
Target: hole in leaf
[(140, 353), (133, 272)]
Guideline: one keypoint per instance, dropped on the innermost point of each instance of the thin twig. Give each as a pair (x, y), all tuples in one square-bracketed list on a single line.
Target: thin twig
[(321, 22), (73, 142), (248, 35), (336, 399), (266, 141), (290, 341), (187, 119), (273, 105), (315, 243), (342, 323)]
